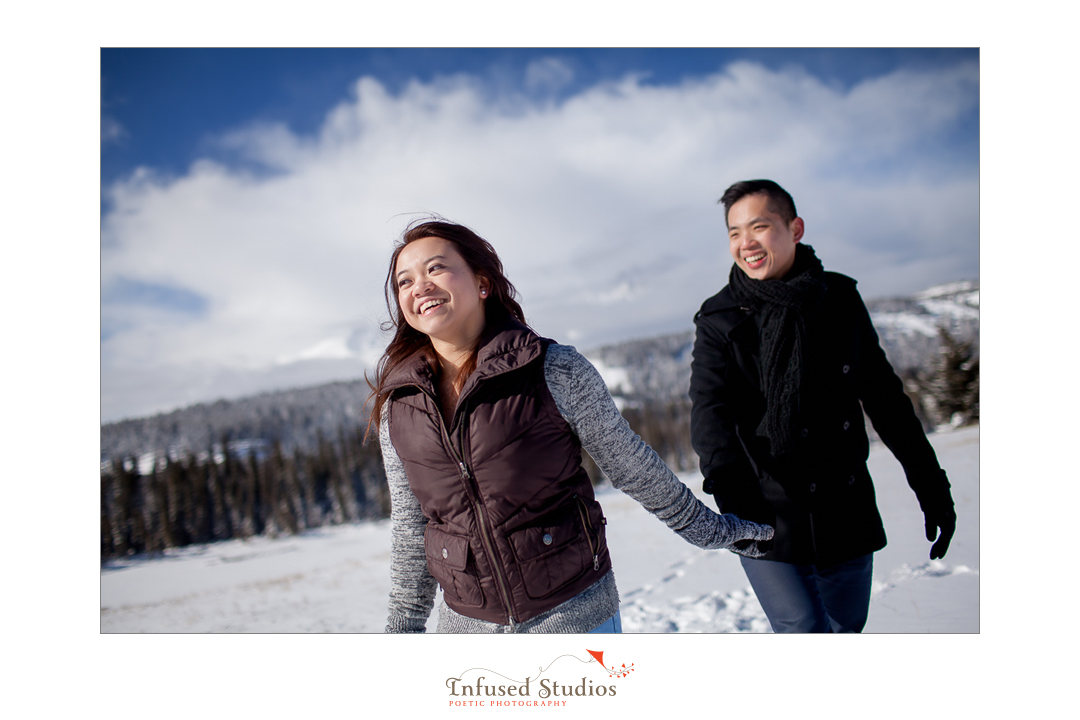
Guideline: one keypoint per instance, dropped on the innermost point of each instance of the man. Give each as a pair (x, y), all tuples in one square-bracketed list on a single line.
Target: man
[(785, 361)]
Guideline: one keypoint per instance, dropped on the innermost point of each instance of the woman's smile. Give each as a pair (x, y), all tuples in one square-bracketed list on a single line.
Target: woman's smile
[(429, 305)]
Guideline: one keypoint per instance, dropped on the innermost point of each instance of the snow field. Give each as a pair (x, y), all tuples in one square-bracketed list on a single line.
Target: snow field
[(336, 580)]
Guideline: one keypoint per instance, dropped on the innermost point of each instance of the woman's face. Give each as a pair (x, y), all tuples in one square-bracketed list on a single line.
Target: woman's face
[(438, 292)]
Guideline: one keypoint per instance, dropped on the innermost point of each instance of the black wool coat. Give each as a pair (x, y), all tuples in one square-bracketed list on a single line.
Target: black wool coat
[(820, 497)]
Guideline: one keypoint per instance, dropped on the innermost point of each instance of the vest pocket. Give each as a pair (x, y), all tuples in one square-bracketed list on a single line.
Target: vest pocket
[(551, 553), (448, 560)]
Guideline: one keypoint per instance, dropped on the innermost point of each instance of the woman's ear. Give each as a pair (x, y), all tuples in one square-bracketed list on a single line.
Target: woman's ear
[(485, 287)]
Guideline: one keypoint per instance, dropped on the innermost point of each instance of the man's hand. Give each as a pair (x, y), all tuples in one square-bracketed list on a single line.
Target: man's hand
[(937, 507), (751, 548), (947, 524)]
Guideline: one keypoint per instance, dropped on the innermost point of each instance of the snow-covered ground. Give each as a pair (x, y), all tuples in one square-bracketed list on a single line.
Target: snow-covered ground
[(337, 579)]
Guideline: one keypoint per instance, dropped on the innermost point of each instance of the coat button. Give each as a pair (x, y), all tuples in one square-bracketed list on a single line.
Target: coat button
[(851, 480), (547, 538), (445, 554), (805, 432), (813, 487), (846, 369), (846, 424)]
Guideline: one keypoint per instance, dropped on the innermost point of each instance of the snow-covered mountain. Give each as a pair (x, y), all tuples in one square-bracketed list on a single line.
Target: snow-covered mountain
[(909, 327), (653, 369), (658, 368), (296, 418)]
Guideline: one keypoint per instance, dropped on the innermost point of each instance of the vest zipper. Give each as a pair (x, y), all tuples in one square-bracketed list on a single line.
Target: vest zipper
[(474, 499), (588, 529), (488, 545)]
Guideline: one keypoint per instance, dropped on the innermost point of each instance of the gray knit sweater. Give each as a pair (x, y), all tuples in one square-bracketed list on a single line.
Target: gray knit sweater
[(583, 400)]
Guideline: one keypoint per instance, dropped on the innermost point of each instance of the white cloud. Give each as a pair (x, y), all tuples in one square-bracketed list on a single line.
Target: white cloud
[(111, 130), (602, 208), (548, 75)]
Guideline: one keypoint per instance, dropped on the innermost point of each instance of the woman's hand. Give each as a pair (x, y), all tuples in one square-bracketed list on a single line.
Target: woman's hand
[(752, 548), (728, 532), (750, 539)]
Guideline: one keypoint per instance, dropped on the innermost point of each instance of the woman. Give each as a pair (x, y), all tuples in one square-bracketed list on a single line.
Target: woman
[(481, 425)]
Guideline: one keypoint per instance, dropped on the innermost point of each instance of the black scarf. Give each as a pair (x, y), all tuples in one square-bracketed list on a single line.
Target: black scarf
[(787, 307)]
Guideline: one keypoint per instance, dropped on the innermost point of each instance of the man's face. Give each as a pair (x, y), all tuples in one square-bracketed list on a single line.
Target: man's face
[(762, 244)]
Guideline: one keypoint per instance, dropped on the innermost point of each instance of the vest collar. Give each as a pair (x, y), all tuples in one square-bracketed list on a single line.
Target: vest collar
[(503, 347)]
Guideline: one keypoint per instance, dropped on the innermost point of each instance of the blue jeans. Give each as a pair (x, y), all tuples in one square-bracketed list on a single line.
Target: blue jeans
[(614, 625), (806, 598)]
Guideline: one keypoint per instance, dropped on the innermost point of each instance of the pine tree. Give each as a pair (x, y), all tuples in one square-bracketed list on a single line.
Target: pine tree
[(952, 390)]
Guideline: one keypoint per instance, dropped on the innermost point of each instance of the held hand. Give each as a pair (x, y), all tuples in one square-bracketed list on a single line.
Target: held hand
[(711, 531), (747, 538), (752, 548)]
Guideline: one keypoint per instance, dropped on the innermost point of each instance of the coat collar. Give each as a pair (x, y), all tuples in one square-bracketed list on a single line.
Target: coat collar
[(734, 317)]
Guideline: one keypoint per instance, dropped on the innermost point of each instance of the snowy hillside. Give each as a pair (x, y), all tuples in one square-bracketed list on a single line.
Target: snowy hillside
[(655, 369), (295, 418), (908, 327), (337, 579), (659, 368)]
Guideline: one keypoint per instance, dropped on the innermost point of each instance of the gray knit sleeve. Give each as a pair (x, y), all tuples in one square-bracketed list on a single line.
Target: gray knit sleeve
[(631, 465), (412, 588)]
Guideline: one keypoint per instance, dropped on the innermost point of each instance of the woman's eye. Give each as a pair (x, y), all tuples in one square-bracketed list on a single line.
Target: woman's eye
[(403, 283)]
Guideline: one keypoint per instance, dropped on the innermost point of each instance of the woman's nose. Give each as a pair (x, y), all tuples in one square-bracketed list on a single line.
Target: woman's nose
[(421, 286)]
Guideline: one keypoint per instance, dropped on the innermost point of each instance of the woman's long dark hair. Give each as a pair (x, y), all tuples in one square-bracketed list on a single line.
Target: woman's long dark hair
[(500, 304)]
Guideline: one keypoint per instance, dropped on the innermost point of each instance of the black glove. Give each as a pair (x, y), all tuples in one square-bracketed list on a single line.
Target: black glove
[(751, 548), (937, 506)]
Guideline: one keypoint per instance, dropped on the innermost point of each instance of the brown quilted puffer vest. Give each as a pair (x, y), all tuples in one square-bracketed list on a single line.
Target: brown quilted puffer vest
[(513, 527)]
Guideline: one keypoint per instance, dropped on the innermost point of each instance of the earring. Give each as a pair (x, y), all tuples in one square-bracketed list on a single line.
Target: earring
[(483, 293)]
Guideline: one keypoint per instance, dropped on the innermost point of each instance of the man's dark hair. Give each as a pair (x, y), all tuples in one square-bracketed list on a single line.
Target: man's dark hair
[(780, 201)]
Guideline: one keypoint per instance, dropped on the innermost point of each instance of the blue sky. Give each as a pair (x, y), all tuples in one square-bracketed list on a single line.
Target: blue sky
[(250, 198), (171, 102)]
